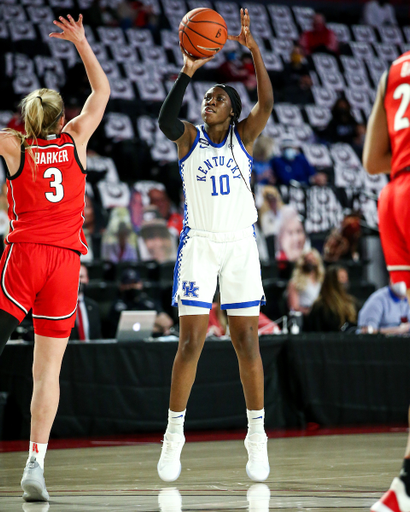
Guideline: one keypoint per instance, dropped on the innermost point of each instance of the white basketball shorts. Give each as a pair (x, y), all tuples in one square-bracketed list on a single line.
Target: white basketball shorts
[(204, 258)]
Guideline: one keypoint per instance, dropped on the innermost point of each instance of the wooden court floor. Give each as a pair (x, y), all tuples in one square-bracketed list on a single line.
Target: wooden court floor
[(322, 473)]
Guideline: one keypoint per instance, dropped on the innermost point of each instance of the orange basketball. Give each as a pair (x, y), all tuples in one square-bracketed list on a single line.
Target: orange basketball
[(202, 32)]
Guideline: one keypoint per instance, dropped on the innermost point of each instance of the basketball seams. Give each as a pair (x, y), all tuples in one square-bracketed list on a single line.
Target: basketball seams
[(199, 34), (191, 43)]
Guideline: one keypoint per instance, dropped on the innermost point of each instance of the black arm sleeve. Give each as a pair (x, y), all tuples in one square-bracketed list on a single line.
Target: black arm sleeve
[(168, 120)]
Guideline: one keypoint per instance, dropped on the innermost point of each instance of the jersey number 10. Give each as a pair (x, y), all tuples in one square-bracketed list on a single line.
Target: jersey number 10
[(224, 187)]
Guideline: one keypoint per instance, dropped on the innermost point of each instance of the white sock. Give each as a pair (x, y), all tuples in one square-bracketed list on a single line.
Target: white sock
[(176, 422), (39, 452), (256, 421)]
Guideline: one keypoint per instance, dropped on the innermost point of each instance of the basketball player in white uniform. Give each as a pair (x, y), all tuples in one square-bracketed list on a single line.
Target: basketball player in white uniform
[(218, 241)]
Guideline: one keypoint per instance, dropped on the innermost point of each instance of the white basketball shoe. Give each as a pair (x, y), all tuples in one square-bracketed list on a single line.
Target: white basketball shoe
[(169, 464), (257, 467)]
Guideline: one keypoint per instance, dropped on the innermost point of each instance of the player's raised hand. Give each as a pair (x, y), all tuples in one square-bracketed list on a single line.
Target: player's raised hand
[(191, 64), (245, 38), (71, 30)]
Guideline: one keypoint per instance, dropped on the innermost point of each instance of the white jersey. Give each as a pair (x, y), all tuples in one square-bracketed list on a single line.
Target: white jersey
[(217, 199)]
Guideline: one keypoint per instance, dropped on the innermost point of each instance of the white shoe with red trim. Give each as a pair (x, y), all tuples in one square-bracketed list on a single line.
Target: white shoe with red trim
[(394, 500)]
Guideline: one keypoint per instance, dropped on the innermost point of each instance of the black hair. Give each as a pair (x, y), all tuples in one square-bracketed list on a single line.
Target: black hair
[(236, 104)]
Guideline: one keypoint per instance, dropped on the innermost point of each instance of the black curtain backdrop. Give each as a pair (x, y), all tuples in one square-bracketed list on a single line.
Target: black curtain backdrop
[(122, 388)]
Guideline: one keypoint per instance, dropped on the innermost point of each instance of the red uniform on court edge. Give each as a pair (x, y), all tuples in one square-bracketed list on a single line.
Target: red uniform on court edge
[(394, 201), (40, 265), (50, 209)]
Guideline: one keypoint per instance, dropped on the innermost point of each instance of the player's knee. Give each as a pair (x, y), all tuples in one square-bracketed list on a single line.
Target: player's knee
[(246, 347), (190, 347)]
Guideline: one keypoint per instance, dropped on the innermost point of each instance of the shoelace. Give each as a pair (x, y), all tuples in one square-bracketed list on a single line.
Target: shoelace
[(169, 448), (257, 451)]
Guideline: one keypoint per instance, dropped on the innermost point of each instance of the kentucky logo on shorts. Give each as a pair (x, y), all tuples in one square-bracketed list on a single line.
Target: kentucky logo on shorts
[(190, 290)]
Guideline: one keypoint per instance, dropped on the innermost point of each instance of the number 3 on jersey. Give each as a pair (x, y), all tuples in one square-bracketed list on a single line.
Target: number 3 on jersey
[(58, 193)]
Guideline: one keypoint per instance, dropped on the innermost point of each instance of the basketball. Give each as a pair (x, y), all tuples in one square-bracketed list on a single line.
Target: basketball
[(202, 32)]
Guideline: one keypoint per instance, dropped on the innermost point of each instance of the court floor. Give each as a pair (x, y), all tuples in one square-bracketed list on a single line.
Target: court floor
[(321, 473)]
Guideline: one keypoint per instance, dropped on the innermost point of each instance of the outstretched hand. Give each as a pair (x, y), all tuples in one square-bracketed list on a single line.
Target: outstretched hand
[(71, 30), (191, 64), (245, 38)]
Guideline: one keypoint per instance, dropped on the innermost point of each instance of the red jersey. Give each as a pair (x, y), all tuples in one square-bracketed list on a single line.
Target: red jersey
[(397, 105), (49, 210)]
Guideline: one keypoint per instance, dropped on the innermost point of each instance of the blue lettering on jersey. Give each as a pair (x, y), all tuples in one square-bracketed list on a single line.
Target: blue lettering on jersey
[(190, 290), (208, 164), (218, 162)]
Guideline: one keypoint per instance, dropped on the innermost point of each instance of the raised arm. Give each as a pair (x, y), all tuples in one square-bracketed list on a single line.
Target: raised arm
[(376, 150), (181, 132), (252, 126), (84, 125)]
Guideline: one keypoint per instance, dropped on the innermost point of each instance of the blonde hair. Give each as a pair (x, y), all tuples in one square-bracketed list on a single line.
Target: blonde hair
[(263, 148), (270, 190), (41, 111), (300, 277)]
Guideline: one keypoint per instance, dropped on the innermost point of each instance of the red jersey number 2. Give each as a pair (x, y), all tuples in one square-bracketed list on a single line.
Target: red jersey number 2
[(400, 120), (57, 184)]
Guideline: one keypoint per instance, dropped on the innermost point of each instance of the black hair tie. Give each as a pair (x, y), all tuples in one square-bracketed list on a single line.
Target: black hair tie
[(41, 99)]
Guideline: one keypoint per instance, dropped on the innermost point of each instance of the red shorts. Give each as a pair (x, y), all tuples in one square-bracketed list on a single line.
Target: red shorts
[(45, 278), (394, 226)]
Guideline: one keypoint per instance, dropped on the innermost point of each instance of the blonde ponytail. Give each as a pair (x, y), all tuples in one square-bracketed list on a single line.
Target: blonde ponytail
[(41, 110)]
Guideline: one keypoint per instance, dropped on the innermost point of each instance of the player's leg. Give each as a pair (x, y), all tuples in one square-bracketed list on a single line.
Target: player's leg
[(195, 279), (193, 328), (53, 317), (244, 335), (241, 295), (192, 333), (16, 291), (48, 356), (8, 324), (394, 218)]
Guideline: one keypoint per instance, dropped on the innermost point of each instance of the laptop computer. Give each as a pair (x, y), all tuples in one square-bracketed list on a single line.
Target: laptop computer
[(135, 325)]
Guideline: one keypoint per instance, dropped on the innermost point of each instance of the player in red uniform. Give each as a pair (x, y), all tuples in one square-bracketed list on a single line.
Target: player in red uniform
[(387, 150), (41, 262)]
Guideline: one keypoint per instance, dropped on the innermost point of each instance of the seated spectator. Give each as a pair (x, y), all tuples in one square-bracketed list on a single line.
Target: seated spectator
[(334, 309), (299, 93), (133, 297), (121, 249), (159, 198), (293, 165), (386, 311), (262, 154), (156, 242), (270, 211), (378, 13), (343, 241), (320, 38), (304, 286), (296, 68), (219, 326), (291, 240), (87, 323), (342, 127), (237, 70)]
